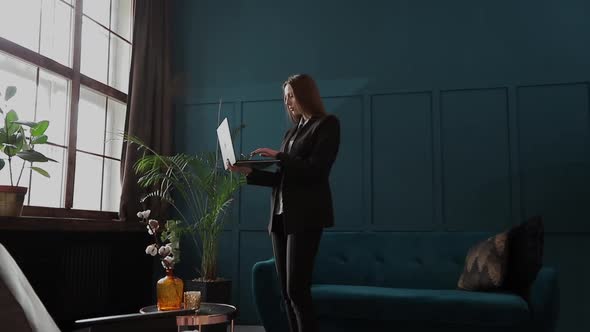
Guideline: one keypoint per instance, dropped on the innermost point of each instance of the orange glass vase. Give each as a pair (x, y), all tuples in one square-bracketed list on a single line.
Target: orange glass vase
[(169, 291)]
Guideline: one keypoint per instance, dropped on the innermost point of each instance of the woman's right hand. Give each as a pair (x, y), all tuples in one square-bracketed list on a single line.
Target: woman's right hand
[(239, 169)]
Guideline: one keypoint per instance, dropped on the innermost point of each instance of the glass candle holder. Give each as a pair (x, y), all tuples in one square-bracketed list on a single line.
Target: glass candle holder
[(192, 300)]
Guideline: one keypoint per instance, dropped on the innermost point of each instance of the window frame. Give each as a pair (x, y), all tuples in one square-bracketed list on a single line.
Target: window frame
[(77, 80)]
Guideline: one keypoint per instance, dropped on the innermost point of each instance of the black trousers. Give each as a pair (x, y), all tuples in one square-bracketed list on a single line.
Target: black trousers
[(294, 257)]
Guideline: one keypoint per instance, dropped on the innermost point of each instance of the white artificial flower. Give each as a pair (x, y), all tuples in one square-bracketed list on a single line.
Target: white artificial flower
[(152, 250), (169, 259), (168, 262), (149, 230), (154, 224), (144, 214), (165, 250)]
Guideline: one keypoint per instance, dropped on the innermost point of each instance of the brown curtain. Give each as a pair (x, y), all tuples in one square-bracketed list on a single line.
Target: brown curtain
[(149, 106)]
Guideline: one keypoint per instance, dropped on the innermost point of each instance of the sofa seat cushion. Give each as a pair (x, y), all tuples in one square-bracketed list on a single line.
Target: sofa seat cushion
[(401, 304)]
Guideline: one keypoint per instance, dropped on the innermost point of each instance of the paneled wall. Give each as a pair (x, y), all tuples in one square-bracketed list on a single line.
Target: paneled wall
[(456, 116), (445, 160)]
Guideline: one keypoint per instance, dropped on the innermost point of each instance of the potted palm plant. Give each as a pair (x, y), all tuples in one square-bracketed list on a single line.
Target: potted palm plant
[(18, 139), (200, 191)]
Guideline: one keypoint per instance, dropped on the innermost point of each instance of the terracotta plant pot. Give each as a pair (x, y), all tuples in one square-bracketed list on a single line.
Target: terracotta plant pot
[(11, 200)]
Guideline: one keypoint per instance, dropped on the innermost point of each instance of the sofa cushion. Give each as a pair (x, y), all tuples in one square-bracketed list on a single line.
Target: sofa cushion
[(400, 304), (485, 265)]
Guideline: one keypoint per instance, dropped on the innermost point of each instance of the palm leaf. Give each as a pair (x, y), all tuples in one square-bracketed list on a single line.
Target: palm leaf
[(197, 183)]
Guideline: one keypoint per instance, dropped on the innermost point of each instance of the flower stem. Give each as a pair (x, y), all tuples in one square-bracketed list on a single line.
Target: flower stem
[(153, 233)]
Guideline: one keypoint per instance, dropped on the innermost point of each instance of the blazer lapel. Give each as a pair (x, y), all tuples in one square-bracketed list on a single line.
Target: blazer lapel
[(287, 138), (299, 132)]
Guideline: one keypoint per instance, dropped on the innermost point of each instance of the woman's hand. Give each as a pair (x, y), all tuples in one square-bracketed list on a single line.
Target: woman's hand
[(239, 169), (265, 152)]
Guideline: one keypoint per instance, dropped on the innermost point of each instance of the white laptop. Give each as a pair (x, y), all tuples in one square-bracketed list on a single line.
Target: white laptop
[(227, 150)]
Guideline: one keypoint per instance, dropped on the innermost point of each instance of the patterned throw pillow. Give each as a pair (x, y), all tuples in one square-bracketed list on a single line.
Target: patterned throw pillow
[(485, 265)]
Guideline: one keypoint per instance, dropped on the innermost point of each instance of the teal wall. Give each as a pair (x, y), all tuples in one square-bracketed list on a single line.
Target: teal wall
[(456, 116)]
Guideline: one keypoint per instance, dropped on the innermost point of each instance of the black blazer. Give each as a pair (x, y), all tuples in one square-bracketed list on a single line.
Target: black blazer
[(305, 171)]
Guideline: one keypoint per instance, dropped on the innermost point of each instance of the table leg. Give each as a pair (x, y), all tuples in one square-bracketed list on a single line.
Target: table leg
[(232, 326)]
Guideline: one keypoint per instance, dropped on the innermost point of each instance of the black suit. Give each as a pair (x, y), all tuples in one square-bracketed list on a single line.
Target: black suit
[(307, 197), (303, 178)]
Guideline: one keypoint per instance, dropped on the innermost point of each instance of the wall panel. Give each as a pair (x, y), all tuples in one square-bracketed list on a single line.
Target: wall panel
[(554, 137), (476, 159), (402, 184)]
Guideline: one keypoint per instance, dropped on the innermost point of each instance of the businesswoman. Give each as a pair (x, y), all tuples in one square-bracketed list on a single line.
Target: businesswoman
[(301, 201)]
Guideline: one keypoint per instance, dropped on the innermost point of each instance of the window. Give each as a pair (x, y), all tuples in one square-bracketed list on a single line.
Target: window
[(70, 61)]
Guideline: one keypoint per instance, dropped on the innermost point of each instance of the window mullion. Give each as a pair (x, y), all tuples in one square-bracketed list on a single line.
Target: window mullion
[(34, 58), (73, 121), (104, 150), (35, 120), (40, 28), (105, 89)]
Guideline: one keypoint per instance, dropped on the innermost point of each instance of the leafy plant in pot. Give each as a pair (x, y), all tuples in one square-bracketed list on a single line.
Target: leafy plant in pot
[(200, 191), (18, 138)]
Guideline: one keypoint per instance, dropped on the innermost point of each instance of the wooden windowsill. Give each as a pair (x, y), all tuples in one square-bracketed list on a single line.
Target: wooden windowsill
[(67, 220), (42, 211), (68, 225)]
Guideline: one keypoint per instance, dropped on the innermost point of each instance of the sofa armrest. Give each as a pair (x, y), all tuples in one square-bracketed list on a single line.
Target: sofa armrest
[(267, 297), (544, 300)]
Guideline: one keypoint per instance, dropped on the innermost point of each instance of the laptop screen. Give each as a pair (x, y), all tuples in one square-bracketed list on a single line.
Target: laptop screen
[(225, 143)]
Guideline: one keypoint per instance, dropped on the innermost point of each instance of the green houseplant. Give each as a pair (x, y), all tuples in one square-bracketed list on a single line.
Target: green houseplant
[(18, 138), (200, 191)]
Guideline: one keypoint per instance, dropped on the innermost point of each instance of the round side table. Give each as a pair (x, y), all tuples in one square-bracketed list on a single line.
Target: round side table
[(207, 314)]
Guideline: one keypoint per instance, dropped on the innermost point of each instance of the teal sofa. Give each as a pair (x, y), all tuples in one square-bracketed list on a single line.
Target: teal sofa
[(404, 281)]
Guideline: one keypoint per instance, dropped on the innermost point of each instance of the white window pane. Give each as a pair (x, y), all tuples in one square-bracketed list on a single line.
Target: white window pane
[(120, 62), (25, 176), (52, 105), (95, 50), (121, 18), (87, 182), (19, 22), (115, 126), (91, 118), (23, 76), (48, 191), (98, 10), (15, 165), (56, 31), (17, 73), (111, 185)]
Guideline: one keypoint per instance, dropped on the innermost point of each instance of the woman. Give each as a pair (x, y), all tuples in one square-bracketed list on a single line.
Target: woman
[(301, 204)]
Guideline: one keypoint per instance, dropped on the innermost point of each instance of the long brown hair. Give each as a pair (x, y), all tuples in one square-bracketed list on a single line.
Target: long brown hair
[(307, 94)]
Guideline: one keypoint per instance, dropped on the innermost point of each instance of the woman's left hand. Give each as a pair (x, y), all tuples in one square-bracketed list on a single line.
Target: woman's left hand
[(265, 152)]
